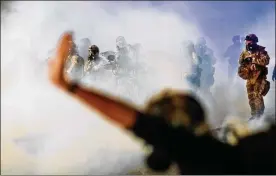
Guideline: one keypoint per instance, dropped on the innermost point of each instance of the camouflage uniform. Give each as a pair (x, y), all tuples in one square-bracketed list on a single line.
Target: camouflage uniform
[(74, 64), (257, 85), (95, 65)]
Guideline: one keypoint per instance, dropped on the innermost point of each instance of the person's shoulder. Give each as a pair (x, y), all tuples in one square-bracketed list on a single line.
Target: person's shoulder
[(262, 49)]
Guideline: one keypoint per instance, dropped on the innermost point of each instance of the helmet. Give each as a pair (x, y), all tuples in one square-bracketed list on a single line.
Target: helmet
[(93, 50), (121, 42), (120, 38), (201, 41), (252, 37), (236, 38)]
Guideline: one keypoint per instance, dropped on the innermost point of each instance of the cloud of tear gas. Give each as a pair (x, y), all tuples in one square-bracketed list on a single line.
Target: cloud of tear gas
[(53, 134), (45, 132)]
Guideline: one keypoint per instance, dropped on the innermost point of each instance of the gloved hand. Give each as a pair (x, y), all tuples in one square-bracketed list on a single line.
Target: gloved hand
[(247, 60)]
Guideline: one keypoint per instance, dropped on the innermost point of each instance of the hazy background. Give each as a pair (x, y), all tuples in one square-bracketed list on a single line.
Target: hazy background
[(53, 134)]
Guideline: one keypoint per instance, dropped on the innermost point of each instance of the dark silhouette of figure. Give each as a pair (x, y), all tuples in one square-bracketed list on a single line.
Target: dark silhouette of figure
[(195, 61), (208, 61), (232, 54)]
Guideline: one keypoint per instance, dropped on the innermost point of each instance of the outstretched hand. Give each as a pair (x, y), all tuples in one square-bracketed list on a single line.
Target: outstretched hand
[(57, 62)]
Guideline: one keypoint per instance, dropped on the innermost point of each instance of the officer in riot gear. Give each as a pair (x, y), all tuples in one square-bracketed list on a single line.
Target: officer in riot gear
[(232, 53), (207, 65), (253, 68), (94, 62), (194, 60), (74, 64)]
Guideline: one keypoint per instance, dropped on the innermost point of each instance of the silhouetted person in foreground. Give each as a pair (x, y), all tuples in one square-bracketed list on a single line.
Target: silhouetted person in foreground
[(173, 123)]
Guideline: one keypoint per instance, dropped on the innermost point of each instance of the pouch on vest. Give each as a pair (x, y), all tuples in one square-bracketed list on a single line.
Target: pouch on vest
[(266, 88)]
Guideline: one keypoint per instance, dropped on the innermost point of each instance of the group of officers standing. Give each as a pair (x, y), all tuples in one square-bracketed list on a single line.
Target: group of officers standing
[(247, 59)]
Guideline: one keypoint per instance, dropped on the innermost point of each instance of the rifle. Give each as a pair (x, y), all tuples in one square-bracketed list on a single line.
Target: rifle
[(248, 62)]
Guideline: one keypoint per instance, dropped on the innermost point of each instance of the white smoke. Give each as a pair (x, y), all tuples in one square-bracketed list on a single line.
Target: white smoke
[(44, 131), (59, 135)]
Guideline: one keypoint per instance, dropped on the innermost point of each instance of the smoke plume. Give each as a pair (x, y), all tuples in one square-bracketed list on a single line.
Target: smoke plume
[(43, 131)]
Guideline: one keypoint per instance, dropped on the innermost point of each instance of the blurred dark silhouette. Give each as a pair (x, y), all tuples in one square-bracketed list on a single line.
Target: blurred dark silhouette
[(197, 153), (232, 54)]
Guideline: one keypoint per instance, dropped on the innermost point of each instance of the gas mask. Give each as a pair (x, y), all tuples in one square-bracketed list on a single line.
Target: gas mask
[(251, 46), (92, 55), (121, 42), (93, 52), (202, 50)]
